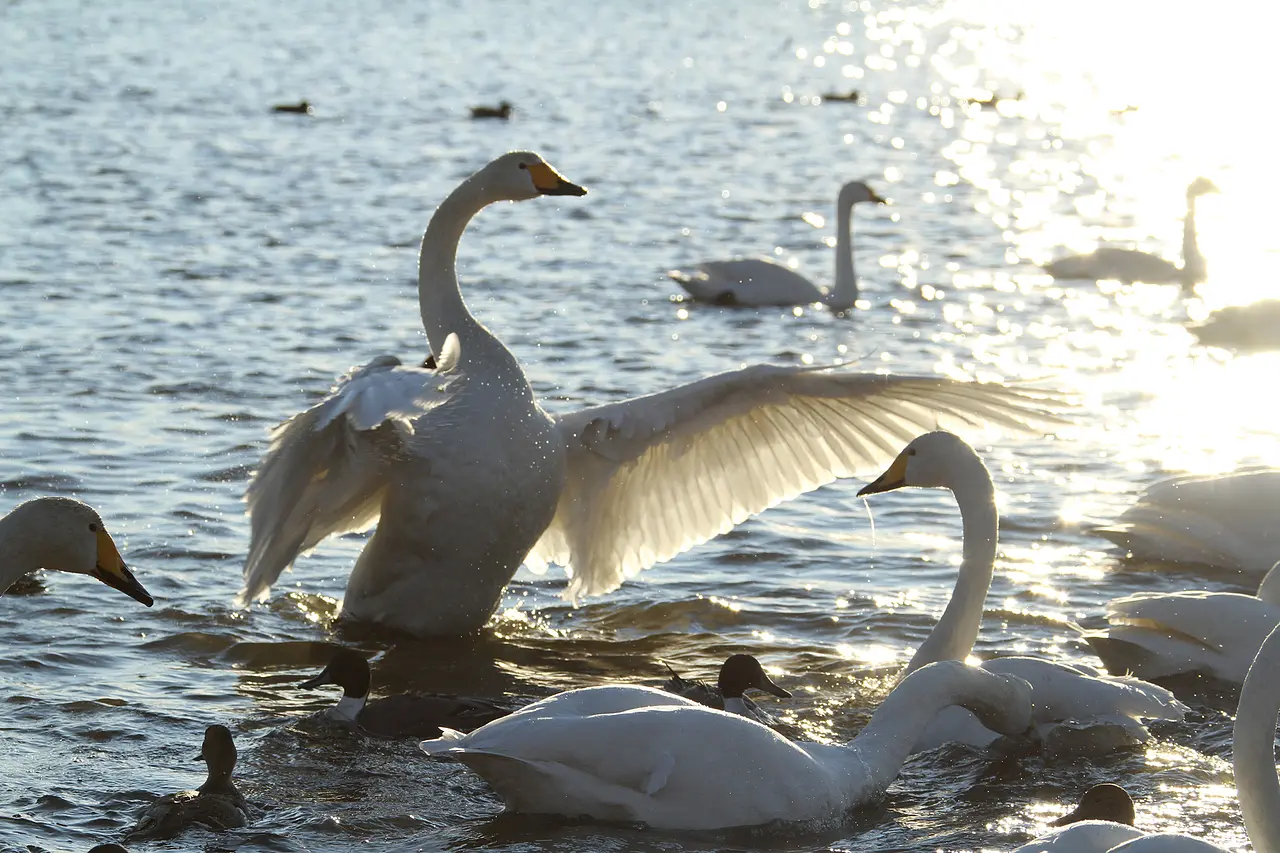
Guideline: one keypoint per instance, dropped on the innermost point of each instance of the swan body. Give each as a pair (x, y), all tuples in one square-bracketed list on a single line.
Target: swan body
[(217, 804), (62, 534), (1242, 327), (488, 480), (691, 767), (761, 282), (1060, 693), (1130, 265), (1227, 521), (1089, 836)]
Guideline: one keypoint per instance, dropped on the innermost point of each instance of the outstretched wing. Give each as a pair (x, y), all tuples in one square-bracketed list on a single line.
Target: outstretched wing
[(653, 476), (326, 469)]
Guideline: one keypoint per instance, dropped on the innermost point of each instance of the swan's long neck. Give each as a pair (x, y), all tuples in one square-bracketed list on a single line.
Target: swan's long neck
[(1194, 269), (956, 632), (845, 292), (17, 554), (1253, 748)]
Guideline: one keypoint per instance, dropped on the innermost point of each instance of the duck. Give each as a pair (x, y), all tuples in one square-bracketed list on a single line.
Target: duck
[(1131, 265), (759, 282), (1246, 328), (65, 535), (108, 848), (1103, 820), (1076, 708), (738, 674), (1213, 634), (689, 767), (300, 108), (1253, 757), (465, 500), (216, 804), (853, 96), (1225, 521), (406, 715), (501, 111)]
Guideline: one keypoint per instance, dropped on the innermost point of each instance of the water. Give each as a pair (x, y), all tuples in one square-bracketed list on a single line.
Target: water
[(182, 269)]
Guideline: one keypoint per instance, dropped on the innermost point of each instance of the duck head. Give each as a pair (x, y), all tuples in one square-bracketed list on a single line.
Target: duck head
[(1101, 802), (741, 673), (219, 752)]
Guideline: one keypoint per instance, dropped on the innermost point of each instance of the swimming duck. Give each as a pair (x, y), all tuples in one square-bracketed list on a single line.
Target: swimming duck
[(685, 766), (107, 848), (406, 715), (65, 535), (754, 282), (853, 96), (466, 500), (1104, 801), (301, 108), (1130, 265), (738, 674), (502, 111), (1102, 821), (1113, 707), (216, 804)]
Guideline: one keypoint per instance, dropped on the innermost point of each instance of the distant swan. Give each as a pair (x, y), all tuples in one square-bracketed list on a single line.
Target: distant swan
[(1061, 693), (1249, 328), (760, 281), (487, 480), (1130, 265), (691, 767), (1224, 520)]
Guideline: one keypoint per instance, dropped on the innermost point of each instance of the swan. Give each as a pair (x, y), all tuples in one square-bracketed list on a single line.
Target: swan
[(1099, 710), (1225, 520), (488, 480), (760, 281), (1250, 327), (690, 767), (1254, 759), (1158, 635), (62, 534), (1130, 265)]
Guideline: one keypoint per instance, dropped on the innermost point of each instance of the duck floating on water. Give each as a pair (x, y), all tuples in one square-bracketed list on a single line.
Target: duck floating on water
[(300, 108), (216, 804), (501, 111), (1103, 820)]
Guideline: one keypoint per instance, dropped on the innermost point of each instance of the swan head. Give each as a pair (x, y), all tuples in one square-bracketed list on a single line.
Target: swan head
[(1101, 802), (741, 673), (1202, 186), (934, 460), (522, 175), (65, 535), (857, 192)]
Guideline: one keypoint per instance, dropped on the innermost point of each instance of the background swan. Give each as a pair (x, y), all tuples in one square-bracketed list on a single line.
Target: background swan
[(1225, 520), (1242, 327), (691, 767), (605, 492), (1130, 265), (940, 460), (1157, 635), (64, 535), (760, 281)]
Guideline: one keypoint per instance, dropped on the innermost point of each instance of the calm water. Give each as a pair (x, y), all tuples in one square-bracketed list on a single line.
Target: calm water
[(182, 269)]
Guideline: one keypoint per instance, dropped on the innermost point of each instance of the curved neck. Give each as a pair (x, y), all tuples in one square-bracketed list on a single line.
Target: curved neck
[(17, 556), (956, 632), (845, 292), (1253, 748), (1269, 589), (439, 297), (1193, 265)]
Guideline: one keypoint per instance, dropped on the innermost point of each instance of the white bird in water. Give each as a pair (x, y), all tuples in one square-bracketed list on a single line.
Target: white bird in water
[(488, 480)]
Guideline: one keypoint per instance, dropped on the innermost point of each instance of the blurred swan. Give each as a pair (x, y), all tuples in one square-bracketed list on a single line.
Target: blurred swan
[(1130, 265), (1242, 327), (1157, 635), (1224, 520), (487, 480), (64, 535), (760, 281), (1099, 711), (1254, 760), (691, 767)]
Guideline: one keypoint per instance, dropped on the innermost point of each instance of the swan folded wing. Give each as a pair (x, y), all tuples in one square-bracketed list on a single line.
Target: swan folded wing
[(325, 471), (1220, 621), (1063, 692), (653, 476)]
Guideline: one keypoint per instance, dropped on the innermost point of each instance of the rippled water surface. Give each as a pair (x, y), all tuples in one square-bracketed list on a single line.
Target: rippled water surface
[(181, 269)]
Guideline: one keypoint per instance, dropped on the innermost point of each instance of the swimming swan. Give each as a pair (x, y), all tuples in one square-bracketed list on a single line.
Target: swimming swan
[(65, 535), (1130, 265), (1248, 328), (1157, 635), (691, 767), (760, 281), (1225, 520), (940, 460), (488, 480)]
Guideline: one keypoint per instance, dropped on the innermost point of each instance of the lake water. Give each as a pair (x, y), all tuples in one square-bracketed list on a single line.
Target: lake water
[(181, 269)]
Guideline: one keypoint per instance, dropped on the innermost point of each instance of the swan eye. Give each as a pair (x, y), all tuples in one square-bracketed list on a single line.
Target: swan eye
[(93, 527), (524, 165)]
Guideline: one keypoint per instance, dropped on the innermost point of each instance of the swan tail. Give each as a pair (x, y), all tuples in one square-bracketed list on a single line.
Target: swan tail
[(448, 740)]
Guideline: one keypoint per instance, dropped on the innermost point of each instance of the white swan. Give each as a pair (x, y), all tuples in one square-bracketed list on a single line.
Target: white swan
[(1227, 521), (1158, 635), (1130, 265), (489, 480), (760, 281), (65, 535), (1248, 328), (690, 767), (1106, 708), (1253, 754)]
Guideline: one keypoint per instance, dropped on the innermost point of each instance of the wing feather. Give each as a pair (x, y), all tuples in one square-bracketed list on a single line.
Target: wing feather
[(653, 476)]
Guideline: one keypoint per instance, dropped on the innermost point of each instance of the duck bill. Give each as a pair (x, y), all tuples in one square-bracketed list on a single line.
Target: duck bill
[(318, 681), (1067, 819), (895, 477), (112, 571), (767, 685), (550, 182)]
